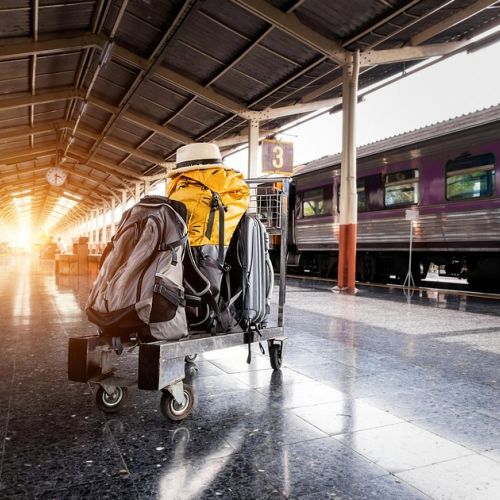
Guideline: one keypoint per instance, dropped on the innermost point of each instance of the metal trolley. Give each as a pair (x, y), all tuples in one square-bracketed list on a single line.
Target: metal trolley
[(161, 364)]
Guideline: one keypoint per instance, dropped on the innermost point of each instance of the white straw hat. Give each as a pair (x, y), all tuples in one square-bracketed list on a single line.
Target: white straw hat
[(198, 153)]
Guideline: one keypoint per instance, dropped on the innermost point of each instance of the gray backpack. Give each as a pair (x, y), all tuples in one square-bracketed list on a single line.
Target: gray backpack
[(139, 288)]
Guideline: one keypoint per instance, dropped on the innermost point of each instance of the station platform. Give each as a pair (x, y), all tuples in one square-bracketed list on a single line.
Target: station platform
[(383, 395)]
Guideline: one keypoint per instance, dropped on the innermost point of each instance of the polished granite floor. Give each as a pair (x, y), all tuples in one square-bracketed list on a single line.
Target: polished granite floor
[(382, 396)]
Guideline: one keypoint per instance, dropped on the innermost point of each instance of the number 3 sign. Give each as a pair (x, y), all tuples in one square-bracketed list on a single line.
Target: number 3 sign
[(277, 156)]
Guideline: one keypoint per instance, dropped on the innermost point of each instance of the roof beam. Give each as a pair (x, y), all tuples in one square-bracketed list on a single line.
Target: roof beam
[(26, 158), (9, 157), (433, 50), (323, 89), (34, 184), (72, 171), (147, 123), (15, 132), (154, 61), (451, 21), (195, 88), (253, 43), (373, 27), (35, 17), (61, 95), (80, 155), (120, 145), (235, 139), (26, 49), (388, 56), (17, 173), (291, 25), (100, 168), (293, 109), (30, 100), (14, 156), (337, 82), (181, 81)]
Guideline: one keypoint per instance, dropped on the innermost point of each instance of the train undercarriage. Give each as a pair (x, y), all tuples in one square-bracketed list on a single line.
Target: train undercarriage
[(481, 270)]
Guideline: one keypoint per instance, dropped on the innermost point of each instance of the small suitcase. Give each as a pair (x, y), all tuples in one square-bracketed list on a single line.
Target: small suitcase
[(258, 274)]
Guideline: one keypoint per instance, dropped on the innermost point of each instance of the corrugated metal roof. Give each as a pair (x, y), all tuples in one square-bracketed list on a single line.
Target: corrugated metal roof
[(157, 73), (418, 136)]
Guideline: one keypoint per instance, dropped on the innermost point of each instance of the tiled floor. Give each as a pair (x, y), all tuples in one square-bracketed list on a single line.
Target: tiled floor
[(382, 396)]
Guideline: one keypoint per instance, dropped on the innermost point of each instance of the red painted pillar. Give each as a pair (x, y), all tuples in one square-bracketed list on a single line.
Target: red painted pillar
[(348, 191)]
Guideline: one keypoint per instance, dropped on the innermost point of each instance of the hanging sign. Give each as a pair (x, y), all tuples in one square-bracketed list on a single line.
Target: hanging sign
[(412, 214), (277, 156)]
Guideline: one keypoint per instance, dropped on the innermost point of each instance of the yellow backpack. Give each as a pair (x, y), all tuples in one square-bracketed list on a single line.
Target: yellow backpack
[(215, 197)]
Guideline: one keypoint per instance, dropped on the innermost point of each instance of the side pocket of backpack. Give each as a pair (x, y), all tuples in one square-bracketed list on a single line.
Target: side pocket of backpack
[(168, 307), (167, 297)]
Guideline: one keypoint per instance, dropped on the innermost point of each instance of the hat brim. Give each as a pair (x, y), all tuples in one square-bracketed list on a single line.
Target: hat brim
[(175, 171)]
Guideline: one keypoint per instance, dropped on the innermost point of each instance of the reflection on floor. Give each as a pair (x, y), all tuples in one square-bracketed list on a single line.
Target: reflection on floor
[(382, 396)]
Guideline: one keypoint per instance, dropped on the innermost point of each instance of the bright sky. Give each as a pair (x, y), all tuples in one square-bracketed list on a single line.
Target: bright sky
[(458, 85)]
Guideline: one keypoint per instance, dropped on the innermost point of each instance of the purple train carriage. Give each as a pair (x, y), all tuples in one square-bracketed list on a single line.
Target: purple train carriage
[(448, 171)]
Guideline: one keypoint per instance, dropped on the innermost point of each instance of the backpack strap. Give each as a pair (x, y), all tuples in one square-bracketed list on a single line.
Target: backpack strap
[(175, 296), (172, 246), (215, 205), (181, 241)]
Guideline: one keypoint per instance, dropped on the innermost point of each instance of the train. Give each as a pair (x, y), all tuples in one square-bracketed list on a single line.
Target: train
[(446, 173)]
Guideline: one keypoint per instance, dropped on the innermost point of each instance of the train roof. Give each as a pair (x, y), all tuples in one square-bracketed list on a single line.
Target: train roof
[(436, 130)]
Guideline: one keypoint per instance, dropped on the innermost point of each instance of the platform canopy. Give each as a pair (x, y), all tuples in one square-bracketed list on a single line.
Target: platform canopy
[(109, 89)]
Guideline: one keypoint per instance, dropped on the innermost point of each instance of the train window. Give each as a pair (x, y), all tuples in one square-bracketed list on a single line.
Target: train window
[(360, 187), (362, 200), (401, 188), (470, 177), (313, 203)]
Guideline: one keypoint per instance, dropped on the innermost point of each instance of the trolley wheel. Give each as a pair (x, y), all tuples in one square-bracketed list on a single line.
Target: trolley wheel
[(190, 358), (275, 354), (173, 410), (110, 403)]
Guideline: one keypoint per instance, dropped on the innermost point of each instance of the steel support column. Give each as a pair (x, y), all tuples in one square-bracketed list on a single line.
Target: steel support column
[(348, 191), (86, 227), (91, 230), (124, 200), (113, 216), (96, 230), (103, 232), (137, 191), (253, 147)]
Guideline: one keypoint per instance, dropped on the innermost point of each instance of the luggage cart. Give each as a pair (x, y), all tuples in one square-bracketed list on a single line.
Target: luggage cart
[(161, 364)]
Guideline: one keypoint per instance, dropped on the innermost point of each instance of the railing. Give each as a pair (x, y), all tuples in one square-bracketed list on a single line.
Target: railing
[(265, 200)]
